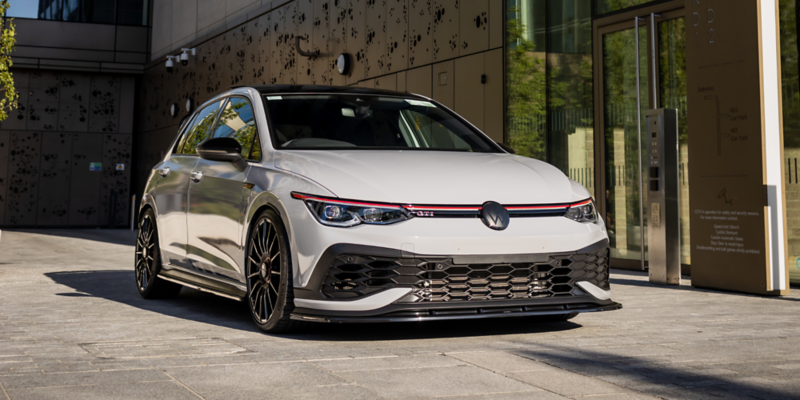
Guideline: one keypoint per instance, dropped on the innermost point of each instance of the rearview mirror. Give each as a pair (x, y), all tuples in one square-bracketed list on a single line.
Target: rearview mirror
[(223, 149), (506, 147)]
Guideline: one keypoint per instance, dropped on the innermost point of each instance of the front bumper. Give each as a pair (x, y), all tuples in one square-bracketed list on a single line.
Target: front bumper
[(353, 283)]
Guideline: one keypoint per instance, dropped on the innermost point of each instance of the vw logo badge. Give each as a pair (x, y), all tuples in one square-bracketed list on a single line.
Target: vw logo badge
[(494, 216)]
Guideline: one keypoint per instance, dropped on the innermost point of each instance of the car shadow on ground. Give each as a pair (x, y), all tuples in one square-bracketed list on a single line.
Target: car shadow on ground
[(113, 236), (658, 379), (193, 305)]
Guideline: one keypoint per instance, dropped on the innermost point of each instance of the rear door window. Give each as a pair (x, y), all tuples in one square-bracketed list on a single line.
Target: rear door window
[(238, 121), (201, 128)]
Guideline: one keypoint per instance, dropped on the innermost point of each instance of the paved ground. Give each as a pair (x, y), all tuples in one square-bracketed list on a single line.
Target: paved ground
[(72, 326)]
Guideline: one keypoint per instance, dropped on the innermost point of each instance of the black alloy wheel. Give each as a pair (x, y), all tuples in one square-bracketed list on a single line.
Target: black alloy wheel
[(269, 275), (148, 262)]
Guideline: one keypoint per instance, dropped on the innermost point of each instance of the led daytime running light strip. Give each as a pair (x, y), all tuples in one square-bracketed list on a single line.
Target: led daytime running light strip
[(412, 208)]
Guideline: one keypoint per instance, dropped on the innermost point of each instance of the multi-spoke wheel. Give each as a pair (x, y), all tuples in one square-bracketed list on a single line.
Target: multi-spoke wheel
[(269, 276), (148, 261)]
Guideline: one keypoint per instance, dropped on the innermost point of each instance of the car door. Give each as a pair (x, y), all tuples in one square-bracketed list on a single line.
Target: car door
[(216, 195), (173, 187)]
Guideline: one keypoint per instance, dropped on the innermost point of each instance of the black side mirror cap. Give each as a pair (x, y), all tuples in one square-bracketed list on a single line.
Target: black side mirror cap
[(223, 149), (506, 147)]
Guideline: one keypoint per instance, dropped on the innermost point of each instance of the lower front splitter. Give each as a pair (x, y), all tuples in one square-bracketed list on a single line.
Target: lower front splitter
[(462, 313)]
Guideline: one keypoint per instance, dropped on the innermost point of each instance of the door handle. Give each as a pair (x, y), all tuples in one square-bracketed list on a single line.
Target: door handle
[(197, 176), (163, 172)]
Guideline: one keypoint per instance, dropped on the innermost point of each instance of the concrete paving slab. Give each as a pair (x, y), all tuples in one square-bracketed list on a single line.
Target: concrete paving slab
[(438, 381), (123, 391), (500, 361), (68, 303), (367, 364), (567, 383), (81, 378)]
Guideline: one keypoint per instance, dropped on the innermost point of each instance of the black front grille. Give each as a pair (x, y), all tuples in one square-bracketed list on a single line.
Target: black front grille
[(439, 280)]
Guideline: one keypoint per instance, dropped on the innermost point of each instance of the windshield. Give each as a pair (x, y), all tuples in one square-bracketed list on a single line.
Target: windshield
[(344, 121)]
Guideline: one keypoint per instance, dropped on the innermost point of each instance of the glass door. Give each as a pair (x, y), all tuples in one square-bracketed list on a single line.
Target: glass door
[(642, 66)]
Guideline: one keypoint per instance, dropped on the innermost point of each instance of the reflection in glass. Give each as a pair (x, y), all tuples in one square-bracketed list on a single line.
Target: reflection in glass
[(672, 94), (791, 129), (605, 6), (120, 12), (549, 112), (621, 138)]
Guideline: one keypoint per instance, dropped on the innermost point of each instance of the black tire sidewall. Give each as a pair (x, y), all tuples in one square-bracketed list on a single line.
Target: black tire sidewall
[(285, 268), (149, 291)]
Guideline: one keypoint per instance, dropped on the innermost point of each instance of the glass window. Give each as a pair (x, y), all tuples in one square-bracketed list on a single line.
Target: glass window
[(237, 121), (201, 128), (122, 12), (185, 127), (368, 122), (790, 80), (605, 6), (549, 88), (23, 8)]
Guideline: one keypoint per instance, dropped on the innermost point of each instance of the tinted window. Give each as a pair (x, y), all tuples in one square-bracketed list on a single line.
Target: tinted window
[(201, 128), (369, 122), (237, 121)]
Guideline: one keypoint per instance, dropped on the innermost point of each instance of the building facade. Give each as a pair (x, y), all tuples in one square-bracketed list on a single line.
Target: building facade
[(565, 81)]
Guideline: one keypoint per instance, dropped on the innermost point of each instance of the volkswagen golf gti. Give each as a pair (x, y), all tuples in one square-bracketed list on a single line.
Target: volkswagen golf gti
[(341, 204)]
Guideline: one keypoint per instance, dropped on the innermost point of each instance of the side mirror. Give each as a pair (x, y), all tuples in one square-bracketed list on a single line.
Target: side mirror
[(223, 149), (506, 147)]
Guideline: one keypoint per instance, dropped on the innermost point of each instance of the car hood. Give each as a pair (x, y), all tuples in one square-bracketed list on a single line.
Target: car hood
[(432, 177)]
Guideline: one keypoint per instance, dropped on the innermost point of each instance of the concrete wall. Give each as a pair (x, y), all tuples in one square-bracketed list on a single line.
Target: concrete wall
[(65, 122), (437, 48), (77, 46)]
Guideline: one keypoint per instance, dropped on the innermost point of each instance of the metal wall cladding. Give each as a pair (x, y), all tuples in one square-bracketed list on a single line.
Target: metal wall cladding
[(474, 26), (338, 38), (304, 20), (115, 179), (84, 198), (321, 71), (357, 39), (54, 179), (23, 178), (420, 26), (59, 126), (375, 63), (446, 29), (104, 104), (396, 35), (5, 145)]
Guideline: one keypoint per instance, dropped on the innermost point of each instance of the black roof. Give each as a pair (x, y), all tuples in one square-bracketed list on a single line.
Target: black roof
[(275, 89)]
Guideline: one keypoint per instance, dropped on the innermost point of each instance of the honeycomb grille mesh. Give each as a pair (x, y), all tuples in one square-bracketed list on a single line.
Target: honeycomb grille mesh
[(440, 280)]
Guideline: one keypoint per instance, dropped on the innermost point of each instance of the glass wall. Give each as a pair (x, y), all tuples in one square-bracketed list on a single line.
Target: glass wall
[(791, 129), (120, 12), (606, 6), (549, 95)]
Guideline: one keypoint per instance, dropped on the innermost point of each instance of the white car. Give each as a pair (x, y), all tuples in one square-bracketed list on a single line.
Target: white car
[(340, 204)]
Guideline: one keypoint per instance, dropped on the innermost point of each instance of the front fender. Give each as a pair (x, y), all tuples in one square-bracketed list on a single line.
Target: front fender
[(272, 189)]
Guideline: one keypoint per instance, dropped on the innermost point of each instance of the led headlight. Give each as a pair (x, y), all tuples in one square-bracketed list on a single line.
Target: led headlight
[(582, 212), (346, 213)]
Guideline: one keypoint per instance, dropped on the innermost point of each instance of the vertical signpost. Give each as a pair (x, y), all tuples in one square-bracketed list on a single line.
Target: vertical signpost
[(738, 225)]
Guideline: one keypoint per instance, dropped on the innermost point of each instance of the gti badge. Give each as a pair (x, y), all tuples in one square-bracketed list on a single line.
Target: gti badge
[(494, 216)]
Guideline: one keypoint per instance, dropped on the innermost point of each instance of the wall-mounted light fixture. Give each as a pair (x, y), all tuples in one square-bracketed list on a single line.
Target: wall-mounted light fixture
[(173, 109), (343, 64), (189, 105), (185, 55)]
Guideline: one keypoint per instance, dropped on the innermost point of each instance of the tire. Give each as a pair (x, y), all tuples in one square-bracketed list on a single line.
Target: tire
[(270, 293), (148, 262)]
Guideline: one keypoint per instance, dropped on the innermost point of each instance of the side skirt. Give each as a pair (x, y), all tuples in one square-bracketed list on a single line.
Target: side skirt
[(203, 284)]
